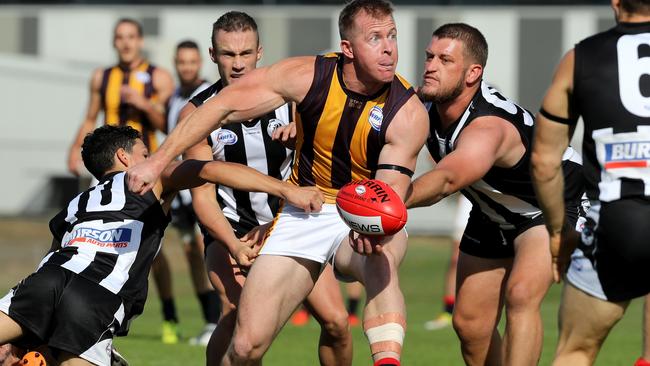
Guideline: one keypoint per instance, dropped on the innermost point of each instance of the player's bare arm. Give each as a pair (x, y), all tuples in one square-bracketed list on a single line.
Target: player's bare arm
[(88, 124), (207, 209), (551, 139), (487, 142), (257, 93), (404, 140)]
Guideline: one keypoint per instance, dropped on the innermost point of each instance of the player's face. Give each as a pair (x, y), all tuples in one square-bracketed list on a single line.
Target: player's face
[(127, 42), (444, 70), (236, 54), (188, 65), (139, 152), (374, 45)]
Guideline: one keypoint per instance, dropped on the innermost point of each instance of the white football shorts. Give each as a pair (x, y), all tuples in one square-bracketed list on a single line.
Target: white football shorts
[(314, 236)]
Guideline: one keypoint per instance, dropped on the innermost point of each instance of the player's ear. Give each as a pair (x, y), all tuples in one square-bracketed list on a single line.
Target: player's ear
[(260, 52), (616, 5), (213, 54), (346, 48), (122, 157), (473, 74)]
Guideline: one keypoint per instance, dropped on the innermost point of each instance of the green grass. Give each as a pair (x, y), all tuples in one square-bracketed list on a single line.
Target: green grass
[(421, 281)]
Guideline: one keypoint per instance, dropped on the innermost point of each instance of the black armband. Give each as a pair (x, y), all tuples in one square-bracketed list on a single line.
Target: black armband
[(401, 169), (565, 121)]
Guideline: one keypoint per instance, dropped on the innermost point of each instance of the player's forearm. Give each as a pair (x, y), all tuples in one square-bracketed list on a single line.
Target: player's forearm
[(189, 131), (212, 218), (549, 188), (241, 177), (86, 127), (430, 188)]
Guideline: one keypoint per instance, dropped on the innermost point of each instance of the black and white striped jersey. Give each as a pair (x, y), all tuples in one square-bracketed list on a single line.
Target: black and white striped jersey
[(612, 93), (110, 236), (250, 143), (505, 195)]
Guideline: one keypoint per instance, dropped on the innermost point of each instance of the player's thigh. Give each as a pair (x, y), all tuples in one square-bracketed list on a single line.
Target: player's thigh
[(585, 320), (68, 359), (9, 329), (531, 274), (87, 317), (479, 288), (350, 266), (224, 273), (325, 299), (275, 286)]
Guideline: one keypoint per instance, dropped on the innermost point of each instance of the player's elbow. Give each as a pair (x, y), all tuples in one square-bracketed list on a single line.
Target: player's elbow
[(544, 167)]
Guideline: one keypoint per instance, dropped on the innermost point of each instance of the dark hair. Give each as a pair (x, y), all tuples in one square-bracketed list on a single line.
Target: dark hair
[(636, 6), (187, 44), (99, 147), (234, 21), (375, 8), (475, 45), (130, 21)]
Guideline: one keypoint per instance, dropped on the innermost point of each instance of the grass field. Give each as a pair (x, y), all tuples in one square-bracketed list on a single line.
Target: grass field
[(23, 242)]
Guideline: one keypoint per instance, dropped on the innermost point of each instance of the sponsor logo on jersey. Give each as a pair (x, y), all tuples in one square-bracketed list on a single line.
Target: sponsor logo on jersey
[(274, 123), (634, 154), (227, 137), (376, 117), (143, 77), (113, 238)]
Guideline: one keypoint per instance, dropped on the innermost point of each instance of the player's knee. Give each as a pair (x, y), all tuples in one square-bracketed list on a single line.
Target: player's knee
[(243, 348), (336, 325), (471, 328), (522, 296)]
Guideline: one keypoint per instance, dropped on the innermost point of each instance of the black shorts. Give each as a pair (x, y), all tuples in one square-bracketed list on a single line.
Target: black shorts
[(65, 311), (484, 238), (240, 229), (619, 247)]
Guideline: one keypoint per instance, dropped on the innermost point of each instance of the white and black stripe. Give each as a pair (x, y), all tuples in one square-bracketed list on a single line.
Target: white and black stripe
[(505, 195), (109, 236), (250, 143)]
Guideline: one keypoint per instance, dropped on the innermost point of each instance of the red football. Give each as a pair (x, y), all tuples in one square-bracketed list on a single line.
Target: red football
[(371, 207)]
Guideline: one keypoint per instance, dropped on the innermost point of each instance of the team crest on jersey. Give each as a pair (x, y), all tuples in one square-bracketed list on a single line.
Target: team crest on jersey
[(112, 238), (633, 154), (274, 123), (227, 137), (376, 117), (143, 77)]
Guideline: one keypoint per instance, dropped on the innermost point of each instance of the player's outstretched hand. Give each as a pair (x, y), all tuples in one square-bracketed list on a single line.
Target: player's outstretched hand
[(562, 245), (310, 199), (286, 135), (364, 244), (142, 177)]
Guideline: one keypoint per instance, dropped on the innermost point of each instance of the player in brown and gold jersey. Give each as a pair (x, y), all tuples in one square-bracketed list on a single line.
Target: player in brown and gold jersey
[(133, 92), (357, 119)]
